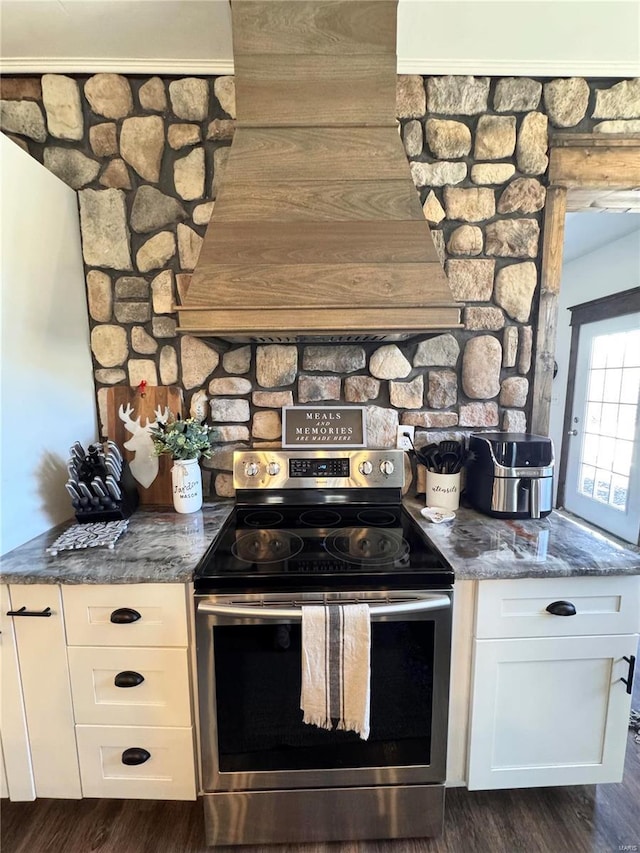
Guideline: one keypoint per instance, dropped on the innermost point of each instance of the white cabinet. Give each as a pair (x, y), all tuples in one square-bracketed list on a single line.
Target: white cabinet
[(549, 705), (38, 735), (130, 677)]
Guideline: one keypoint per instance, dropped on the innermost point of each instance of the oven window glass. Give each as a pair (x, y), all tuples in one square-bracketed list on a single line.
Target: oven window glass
[(258, 674)]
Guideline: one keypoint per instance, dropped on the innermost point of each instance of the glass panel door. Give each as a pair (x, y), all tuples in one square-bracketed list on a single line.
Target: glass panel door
[(603, 480)]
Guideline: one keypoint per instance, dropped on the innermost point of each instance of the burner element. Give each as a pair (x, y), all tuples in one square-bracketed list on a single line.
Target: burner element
[(320, 518), (263, 518), (367, 545), (267, 546), (377, 517)]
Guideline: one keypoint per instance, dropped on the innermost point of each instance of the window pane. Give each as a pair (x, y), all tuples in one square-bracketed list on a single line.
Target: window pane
[(632, 349), (596, 384), (619, 492), (612, 385), (606, 449), (626, 422), (587, 476), (615, 346), (594, 413), (599, 352), (630, 384), (622, 457), (590, 449), (602, 485), (609, 420)]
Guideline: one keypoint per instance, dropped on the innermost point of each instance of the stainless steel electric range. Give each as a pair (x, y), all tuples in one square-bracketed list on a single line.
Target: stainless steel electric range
[(312, 527)]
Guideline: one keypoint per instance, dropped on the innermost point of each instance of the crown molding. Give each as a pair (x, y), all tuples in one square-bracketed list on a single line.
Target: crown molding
[(118, 65)]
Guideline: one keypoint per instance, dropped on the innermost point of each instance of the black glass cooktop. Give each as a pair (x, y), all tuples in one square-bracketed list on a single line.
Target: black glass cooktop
[(290, 548)]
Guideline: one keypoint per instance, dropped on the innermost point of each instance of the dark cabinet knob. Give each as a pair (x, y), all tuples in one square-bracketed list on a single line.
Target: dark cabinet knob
[(561, 608), (124, 616), (135, 755), (128, 678)]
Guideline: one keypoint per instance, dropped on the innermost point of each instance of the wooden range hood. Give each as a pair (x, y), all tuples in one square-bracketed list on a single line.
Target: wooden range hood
[(317, 231)]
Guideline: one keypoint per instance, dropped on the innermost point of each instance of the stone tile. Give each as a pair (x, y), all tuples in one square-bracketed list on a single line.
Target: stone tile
[(222, 457), (438, 174), (458, 95), (388, 362), (471, 280), (232, 433), (20, 89), (220, 158), (620, 126), (314, 388), (189, 245), (202, 213), (440, 351), (339, 359), (224, 486), (221, 129), (510, 346), (472, 204), (142, 145), (465, 240), (226, 385), (515, 286), (188, 175), (198, 362), (483, 319), (532, 144), (155, 253), (447, 139), (142, 370), (517, 94), (103, 139), (513, 392), (105, 236), (132, 287), (407, 395), (512, 238), (524, 195), (413, 138), (142, 342), (492, 173), (61, 98), (272, 399), (432, 209), (411, 99), (237, 360), (382, 427), (132, 312), (619, 101), (109, 375), (99, 296), (514, 421), (24, 118), (164, 327), (224, 88), (73, 167), (495, 137), (109, 345), (183, 135), (109, 95), (199, 407), (153, 209), (189, 98), (443, 389), (478, 415), (437, 238), (276, 365), (116, 175), (162, 293), (526, 346), (566, 101), (225, 410), (152, 95), (361, 389), (266, 425), (481, 363), (429, 420)]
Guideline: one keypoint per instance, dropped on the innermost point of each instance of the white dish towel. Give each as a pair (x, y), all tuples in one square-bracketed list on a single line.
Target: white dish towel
[(336, 670)]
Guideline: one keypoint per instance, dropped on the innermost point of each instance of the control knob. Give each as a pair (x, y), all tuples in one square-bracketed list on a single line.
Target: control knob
[(365, 467), (251, 469), (387, 466), (273, 468)]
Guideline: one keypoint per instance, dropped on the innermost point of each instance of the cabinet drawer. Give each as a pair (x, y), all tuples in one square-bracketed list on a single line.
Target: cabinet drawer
[(158, 610), (518, 608), (167, 774), (103, 681)]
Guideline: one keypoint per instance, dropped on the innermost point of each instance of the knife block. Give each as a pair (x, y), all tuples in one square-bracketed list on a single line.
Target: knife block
[(126, 505)]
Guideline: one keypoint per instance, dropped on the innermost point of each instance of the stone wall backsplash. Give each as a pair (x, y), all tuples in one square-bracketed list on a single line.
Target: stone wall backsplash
[(146, 155)]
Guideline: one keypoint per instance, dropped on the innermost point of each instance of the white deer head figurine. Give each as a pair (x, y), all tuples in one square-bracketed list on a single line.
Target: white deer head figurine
[(144, 465)]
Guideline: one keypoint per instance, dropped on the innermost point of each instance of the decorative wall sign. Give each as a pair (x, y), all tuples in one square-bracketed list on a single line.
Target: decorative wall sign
[(323, 426)]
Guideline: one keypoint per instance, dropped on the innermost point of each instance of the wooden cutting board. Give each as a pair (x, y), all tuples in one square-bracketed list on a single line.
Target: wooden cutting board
[(143, 405)]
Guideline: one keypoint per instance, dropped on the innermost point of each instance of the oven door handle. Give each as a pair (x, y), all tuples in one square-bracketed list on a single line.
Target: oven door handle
[(294, 614)]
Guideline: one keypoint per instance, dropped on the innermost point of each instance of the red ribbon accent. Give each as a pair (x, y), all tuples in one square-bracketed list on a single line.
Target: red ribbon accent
[(142, 387)]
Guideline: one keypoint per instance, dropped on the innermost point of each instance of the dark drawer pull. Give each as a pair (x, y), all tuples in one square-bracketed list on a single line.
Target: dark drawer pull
[(124, 616), (128, 678), (631, 660), (135, 755), (562, 608), (24, 612)]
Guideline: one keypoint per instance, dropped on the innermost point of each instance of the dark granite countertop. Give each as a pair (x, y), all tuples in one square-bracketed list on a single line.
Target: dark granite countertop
[(159, 546), (162, 546), (479, 547)]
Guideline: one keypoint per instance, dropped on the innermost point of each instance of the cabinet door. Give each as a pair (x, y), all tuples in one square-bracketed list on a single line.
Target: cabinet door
[(549, 711), (15, 738), (42, 655)]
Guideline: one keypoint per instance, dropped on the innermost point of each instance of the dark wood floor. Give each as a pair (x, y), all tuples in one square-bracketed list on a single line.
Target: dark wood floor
[(581, 819)]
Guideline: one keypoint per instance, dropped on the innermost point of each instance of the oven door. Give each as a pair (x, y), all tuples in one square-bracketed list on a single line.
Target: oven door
[(249, 673)]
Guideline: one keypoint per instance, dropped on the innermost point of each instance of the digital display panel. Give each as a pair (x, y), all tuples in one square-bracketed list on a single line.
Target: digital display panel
[(319, 467)]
